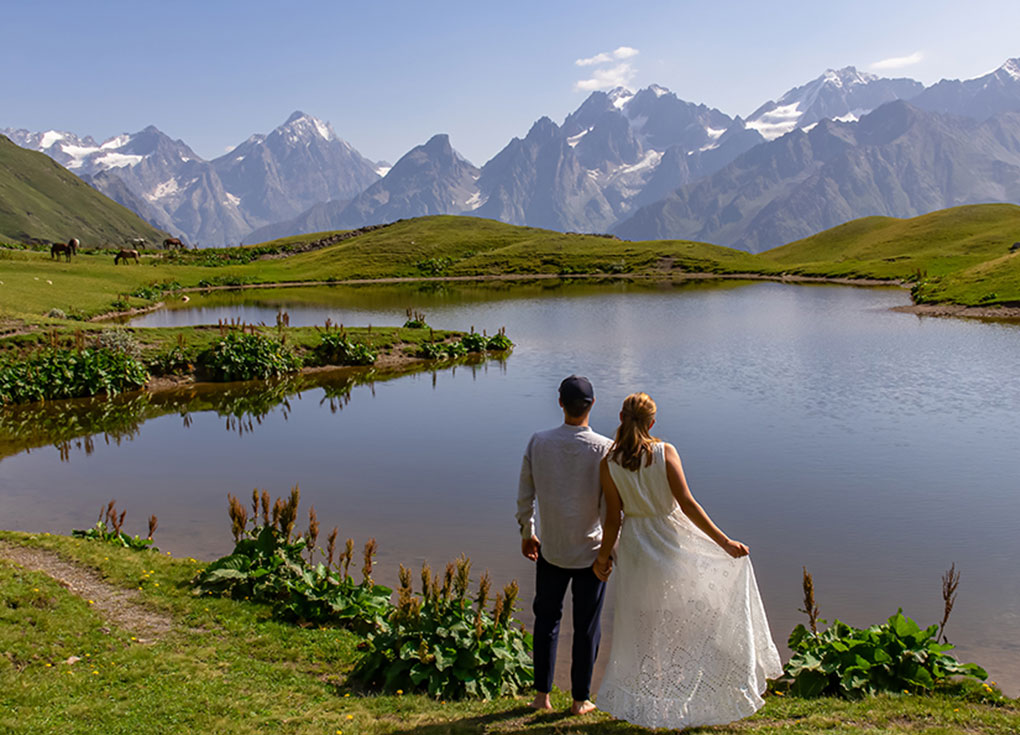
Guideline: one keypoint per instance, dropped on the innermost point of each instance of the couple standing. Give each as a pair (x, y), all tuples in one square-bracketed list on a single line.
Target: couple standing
[(691, 644)]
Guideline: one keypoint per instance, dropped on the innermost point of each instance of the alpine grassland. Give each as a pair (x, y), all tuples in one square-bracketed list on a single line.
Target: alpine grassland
[(960, 255), (177, 662)]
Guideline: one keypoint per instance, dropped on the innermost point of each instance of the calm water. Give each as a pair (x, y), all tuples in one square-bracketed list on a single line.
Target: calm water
[(816, 425)]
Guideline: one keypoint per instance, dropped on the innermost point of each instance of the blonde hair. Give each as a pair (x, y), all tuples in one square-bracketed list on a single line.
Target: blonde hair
[(632, 438)]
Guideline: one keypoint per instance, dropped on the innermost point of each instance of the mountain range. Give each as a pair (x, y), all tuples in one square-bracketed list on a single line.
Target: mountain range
[(643, 164)]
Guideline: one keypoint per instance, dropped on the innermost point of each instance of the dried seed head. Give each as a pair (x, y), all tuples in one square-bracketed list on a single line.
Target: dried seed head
[(331, 546), (497, 612), (462, 578), (484, 586), (153, 524), (348, 555), (313, 528), (255, 504), (426, 579), (277, 514), (810, 608), (448, 581), (238, 516), (404, 575), (366, 569), (265, 507)]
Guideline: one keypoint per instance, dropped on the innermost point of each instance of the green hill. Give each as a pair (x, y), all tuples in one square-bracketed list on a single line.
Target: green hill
[(40, 200), (960, 254)]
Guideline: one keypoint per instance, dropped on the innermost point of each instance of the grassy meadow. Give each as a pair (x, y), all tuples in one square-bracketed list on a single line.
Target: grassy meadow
[(958, 255), (226, 666)]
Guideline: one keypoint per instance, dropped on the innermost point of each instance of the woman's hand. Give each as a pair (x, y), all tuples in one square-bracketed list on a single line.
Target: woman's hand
[(602, 568), (735, 549)]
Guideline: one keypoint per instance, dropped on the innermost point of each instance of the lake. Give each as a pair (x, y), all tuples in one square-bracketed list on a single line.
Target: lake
[(815, 425)]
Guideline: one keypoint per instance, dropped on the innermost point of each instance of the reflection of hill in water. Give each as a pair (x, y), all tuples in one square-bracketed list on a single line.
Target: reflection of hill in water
[(77, 423)]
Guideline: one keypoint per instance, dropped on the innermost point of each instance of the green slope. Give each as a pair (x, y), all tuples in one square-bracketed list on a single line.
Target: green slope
[(459, 246), (41, 200), (959, 254)]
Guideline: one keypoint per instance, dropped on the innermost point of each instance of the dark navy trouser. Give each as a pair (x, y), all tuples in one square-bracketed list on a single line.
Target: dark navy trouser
[(587, 594)]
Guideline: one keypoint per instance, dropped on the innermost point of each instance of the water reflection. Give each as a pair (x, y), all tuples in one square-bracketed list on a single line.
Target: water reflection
[(76, 424)]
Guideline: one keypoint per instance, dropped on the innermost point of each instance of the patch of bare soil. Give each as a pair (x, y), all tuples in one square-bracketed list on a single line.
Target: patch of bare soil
[(123, 608), (956, 310)]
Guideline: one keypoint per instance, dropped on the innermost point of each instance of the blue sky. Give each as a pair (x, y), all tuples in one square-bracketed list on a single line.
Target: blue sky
[(388, 75)]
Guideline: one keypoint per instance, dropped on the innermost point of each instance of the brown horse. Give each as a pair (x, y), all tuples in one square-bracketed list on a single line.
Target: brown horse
[(66, 249), (172, 242), (124, 255)]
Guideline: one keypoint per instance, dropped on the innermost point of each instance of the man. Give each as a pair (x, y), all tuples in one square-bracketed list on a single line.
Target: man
[(561, 472)]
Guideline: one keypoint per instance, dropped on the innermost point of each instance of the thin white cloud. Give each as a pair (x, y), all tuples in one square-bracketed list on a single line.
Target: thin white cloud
[(897, 62), (619, 74), (593, 60)]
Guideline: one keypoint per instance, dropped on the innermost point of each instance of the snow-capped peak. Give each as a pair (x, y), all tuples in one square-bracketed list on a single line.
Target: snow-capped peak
[(301, 126), (1012, 68), (619, 96), (657, 90)]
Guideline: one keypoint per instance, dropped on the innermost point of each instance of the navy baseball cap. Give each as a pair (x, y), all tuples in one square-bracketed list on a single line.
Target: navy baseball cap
[(576, 388)]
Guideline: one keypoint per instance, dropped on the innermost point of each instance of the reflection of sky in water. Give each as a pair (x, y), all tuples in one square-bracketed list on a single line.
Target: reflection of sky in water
[(816, 425)]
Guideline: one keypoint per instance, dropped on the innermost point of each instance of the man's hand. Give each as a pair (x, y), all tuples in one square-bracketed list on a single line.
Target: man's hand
[(529, 547), (602, 568)]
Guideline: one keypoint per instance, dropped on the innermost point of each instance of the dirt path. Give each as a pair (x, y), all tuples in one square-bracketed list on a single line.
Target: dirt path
[(123, 608)]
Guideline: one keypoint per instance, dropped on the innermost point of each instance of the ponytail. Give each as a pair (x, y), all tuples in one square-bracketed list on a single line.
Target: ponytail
[(633, 442)]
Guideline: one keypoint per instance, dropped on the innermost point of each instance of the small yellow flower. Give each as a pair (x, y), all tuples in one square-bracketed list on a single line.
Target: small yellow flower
[(35, 589), (157, 584), (957, 709), (350, 717), (133, 638), (49, 666), (400, 691), (95, 672), (779, 694), (92, 602), (347, 694)]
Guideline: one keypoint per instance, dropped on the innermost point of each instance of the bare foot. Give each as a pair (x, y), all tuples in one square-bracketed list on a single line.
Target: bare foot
[(582, 708), (541, 702)]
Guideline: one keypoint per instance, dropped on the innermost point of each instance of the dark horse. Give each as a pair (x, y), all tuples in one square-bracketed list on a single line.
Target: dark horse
[(172, 242), (66, 249), (124, 255)]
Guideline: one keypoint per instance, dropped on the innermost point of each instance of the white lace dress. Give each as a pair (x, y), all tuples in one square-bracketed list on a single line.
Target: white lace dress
[(691, 644)]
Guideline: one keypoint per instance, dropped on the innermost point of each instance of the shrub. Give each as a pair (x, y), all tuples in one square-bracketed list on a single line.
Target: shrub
[(248, 356), (850, 662), (415, 320), (474, 342), (335, 348), (266, 565), (433, 266), (118, 340), (443, 644), (56, 314), (499, 342), (68, 373), (108, 530)]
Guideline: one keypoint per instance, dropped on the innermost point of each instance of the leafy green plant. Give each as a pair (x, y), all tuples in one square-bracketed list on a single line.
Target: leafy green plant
[(415, 320), (68, 373), (433, 266), (446, 645), (896, 656), (108, 530), (474, 342), (248, 356), (336, 348), (499, 342), (267, 565), (118, 340)]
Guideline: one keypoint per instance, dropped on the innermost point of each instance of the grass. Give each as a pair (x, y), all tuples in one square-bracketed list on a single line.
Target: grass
[(959, 255), (229, 668), (962, 253)]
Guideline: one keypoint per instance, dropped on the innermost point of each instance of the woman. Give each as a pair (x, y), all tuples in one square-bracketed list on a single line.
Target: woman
[(691, 645)]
